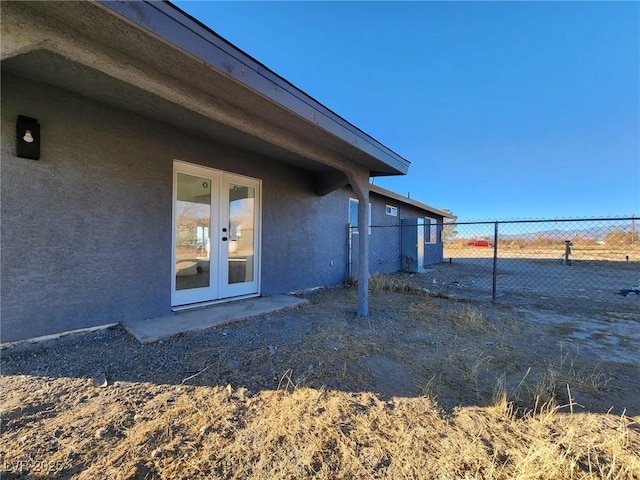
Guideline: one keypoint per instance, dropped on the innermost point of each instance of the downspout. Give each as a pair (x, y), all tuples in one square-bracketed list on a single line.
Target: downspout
[(360, 184)]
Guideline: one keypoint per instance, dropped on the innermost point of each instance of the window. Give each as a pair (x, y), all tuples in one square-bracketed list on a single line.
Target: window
[(431, 230), (353, 214), (391, 210)]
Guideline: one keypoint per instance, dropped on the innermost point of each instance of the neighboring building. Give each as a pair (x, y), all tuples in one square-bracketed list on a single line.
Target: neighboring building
[(388, 213), (174, 170)]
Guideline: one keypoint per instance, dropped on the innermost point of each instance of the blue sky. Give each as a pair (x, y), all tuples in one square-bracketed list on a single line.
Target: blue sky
[(506, 110)]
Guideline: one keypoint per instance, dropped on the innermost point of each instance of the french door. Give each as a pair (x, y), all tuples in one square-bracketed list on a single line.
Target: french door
[(216, 235)]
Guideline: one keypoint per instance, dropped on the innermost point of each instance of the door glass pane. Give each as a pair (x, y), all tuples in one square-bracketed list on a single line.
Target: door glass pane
[(241, 233), (193, 239)]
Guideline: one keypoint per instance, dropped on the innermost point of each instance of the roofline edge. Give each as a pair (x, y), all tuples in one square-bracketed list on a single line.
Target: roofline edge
[(197, 30)]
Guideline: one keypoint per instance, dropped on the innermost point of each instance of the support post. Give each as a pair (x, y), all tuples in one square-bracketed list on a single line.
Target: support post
[(349, 253), (494, 289), (360, 183)]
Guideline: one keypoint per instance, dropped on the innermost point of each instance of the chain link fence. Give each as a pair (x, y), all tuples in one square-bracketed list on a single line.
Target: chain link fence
[(384, 250), (588, 264)]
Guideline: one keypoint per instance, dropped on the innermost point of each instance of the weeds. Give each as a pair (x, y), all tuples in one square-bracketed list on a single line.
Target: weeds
[(539, 394), (470, 319), (425, 311), (590, 380), (544, 390), (427, 389), (387, 283), (518, 426), (566, 374), (285, 382)]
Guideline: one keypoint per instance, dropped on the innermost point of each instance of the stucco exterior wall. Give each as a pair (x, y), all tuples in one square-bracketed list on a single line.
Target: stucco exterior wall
[(385, 237), (384, 249), (433, 252), (86, 230)]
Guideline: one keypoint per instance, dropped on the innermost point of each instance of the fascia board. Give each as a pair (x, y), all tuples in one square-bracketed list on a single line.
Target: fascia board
[(383, 192), (171, 25)]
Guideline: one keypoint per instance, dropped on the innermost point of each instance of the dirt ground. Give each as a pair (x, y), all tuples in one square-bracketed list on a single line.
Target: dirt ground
[(414, 346), (586, 287)]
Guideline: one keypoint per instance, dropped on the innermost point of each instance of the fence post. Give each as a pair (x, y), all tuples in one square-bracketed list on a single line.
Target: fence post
[(495, 263)]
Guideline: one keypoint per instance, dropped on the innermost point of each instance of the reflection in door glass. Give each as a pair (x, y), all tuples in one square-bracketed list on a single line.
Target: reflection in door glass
[(193, 239), (241, 233)]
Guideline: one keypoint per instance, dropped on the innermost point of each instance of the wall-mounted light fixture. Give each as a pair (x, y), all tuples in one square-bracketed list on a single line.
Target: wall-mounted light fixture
[(27, 138)]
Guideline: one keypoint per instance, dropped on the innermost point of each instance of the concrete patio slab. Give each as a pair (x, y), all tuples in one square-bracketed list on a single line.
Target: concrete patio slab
[(154, 329)]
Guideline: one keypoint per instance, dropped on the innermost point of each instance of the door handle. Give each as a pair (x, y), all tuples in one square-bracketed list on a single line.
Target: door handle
[(224, 239)]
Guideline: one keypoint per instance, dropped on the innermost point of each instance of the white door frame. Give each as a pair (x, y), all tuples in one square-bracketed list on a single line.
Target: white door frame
[(219, 289), (226, 289)]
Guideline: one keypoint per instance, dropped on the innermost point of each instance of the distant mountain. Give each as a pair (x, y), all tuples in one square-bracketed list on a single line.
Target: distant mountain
[(596, 232)]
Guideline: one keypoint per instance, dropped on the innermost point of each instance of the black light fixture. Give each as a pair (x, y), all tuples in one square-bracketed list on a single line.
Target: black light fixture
[(27, 138)]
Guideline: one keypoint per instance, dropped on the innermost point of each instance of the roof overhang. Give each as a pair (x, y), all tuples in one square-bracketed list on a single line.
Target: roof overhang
[(409, 201), (154, 59)]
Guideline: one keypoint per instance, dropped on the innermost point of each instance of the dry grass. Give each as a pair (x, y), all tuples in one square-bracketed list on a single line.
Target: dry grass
[(540, 391), (554, 252), (556, 378), (203, 432), (386, 283), (506, 430)]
